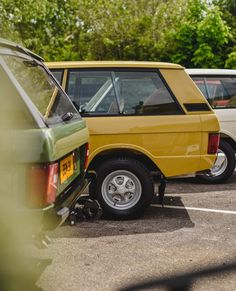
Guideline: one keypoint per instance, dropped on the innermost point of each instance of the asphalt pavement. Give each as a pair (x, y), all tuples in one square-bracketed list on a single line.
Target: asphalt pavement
[(196, 229)]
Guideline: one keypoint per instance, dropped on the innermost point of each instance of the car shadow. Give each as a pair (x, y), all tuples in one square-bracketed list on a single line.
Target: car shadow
[(154, 220)]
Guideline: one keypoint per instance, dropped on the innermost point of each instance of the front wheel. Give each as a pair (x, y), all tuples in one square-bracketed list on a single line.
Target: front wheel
[(123, 187), (224, 165)]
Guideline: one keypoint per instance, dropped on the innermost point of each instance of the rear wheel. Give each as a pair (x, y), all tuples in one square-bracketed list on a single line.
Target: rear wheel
[(123, 187), (224, 165)]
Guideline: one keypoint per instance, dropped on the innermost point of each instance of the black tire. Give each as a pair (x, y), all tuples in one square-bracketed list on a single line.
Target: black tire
[(227, 169), (120, 175)]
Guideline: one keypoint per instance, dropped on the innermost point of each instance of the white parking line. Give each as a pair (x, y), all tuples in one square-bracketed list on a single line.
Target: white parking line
[(195, 208)]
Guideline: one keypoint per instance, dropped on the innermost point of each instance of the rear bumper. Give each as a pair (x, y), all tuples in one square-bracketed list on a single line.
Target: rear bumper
[(55, 216)]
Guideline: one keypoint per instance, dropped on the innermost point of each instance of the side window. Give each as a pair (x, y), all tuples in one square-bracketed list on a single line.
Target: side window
[(144, 93), (58, 75), (219, 91), (92, 92), (222, 91)]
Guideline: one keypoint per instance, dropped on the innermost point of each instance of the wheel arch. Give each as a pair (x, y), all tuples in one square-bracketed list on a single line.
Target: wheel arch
[(228, 139), (122, 152)]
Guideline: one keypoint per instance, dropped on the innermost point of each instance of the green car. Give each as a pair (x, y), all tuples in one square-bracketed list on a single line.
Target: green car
[(44, 142)]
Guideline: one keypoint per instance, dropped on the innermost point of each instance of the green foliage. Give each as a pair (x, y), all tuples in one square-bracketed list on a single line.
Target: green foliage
[(212, 36), (202, 39), (212, 29), (231, 61), (204, 57), (228, 9), (194, 33)]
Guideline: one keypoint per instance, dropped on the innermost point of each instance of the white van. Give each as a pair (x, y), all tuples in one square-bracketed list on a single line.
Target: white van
[(219, 87)]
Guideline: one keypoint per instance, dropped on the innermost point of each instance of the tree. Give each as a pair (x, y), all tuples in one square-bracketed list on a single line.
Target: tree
[(202, 39), (228, 9), (194, 33), (46, 27)]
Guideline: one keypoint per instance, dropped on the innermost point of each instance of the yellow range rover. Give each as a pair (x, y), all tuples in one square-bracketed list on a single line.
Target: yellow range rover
[(144, 118)]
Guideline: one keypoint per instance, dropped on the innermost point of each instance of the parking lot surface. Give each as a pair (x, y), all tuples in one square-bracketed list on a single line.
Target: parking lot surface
[(195, 229)]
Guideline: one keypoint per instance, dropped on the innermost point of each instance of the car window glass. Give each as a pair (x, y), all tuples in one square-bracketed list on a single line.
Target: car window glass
[(49, 99), (92, 92), (222, 91), (200, 82), (219, 91), (13, 111), (58, 75), (144, 93)]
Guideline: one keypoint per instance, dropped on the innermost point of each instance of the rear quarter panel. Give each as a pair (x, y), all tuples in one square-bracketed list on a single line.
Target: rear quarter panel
[(173, 143), (187, 92), (184, 88)]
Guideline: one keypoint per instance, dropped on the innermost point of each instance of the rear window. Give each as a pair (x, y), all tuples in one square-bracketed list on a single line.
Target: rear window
[(219, 91), (43, 91)]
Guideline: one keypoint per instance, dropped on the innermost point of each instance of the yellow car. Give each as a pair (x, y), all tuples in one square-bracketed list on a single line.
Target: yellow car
[(144, 118)]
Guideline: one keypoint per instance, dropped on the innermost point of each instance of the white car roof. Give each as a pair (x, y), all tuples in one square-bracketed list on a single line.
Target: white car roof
[(210, 72)]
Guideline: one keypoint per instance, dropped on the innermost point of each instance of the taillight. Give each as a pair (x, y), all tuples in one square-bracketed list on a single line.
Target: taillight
[(213, 143), (43, 182), (86, 156)]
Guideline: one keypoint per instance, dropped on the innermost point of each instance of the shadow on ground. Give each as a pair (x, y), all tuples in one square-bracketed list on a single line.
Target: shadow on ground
[(153, 220)]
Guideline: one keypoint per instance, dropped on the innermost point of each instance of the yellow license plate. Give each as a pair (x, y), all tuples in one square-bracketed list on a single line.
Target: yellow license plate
[(66, 168)]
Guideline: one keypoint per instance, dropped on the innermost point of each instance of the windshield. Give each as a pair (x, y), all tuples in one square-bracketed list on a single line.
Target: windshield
[(50, 100)]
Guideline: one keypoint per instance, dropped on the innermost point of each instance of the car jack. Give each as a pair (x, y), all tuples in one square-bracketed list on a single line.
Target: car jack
[(161, 190), (84, 208)]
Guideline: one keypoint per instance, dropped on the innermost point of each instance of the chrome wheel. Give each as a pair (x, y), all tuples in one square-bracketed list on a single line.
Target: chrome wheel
[(224, 165), (121, 189), (220, 165)]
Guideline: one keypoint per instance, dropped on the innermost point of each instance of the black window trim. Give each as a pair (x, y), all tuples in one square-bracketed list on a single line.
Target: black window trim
[(195, 107)]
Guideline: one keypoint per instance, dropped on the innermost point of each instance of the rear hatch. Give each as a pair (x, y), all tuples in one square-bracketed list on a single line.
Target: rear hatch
[(59, 157), (59, 137)]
